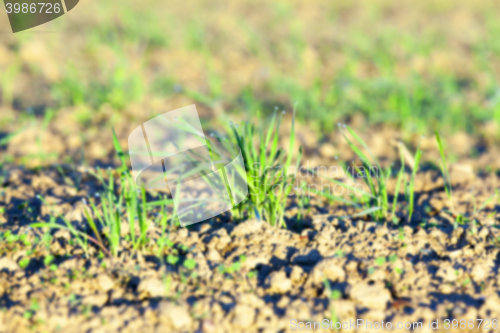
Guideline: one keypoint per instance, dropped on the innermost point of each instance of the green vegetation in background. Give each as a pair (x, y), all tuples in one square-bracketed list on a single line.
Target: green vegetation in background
[(407, 99)]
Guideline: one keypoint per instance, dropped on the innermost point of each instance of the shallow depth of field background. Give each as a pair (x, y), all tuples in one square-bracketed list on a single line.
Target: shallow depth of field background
[(388, 70), (413, 67)]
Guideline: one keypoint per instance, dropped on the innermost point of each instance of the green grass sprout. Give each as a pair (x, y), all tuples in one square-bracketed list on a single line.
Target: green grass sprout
[(266, 172)]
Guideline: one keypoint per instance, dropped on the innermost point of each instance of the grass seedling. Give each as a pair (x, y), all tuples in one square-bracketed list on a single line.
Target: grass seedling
[(380, 192), (376, 199), (80, 237), (172, 259), (110, 219), (459, 217), (411, 185), (483, 206), (23, 263), (333, 295), (163, 240), (396, 190), (380, 261), (303, 200), (104, 215), (265, 171), (114, 207), (189, 264), (444, 170)]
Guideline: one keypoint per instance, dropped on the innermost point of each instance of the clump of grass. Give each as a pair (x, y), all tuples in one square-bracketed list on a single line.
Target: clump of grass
[(375, 201), (113, 208), (267, 167), (378, 193), (104, 213)]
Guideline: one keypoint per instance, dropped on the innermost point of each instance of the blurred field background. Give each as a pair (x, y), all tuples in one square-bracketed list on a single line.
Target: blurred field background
[(412, 67), (390, 70)]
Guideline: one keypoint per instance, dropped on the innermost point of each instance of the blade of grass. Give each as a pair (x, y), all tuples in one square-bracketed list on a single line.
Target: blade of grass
[(119, 151), (418, 154), (444, 170), (398, 183)]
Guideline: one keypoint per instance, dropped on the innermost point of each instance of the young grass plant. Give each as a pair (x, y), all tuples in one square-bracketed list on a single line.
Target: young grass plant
[(444, 169), (333, 295), (459, 218), (81, 238), (104, 213), (411, 185), (303, 200), (447, 182), (267, 169), (398, 184), (379, 193), (375, 201), (110, 219)]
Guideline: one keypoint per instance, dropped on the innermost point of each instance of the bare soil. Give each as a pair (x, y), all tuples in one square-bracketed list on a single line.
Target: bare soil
[(250, 276)]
